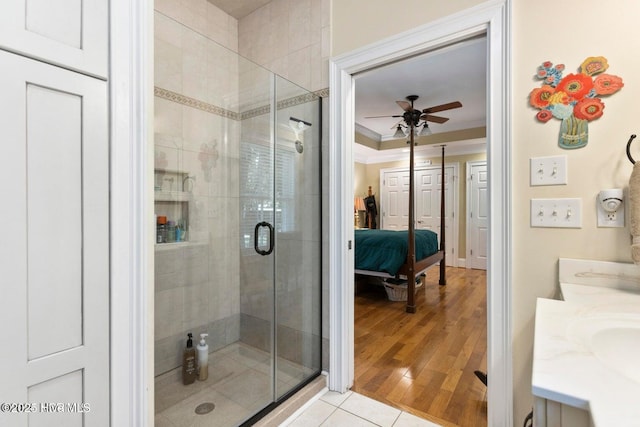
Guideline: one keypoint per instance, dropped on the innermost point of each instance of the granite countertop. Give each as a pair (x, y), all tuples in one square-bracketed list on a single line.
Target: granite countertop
[(576, 359)]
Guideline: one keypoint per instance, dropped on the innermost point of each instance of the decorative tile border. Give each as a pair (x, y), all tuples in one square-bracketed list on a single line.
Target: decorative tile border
[(322, 93), (194, 103), (255, 112)]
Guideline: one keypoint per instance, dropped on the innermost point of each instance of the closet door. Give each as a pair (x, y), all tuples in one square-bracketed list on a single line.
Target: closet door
[(54, 256), (394, 200), (70, 33)]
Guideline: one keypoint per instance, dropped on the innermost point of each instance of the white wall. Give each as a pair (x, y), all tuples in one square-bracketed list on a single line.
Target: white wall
[(601, 164), (562, 32)]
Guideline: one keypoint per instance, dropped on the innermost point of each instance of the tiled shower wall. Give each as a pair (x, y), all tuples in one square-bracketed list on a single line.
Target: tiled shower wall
[(196, 135), (290, 38), (197, 131)]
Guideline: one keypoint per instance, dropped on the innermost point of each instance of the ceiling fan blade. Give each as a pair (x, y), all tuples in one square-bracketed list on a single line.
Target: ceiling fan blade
[(406, 106), (449, 106), (378, 117), (434, 119)]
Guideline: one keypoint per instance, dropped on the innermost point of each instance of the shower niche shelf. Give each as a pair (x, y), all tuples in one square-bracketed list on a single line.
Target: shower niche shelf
[(172, 201)]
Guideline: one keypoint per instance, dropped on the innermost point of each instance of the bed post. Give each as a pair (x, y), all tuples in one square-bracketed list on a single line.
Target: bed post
[(411, 253), (443, 278)]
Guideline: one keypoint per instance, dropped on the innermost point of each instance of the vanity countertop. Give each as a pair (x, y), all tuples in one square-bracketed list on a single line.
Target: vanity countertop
[(575, 357)]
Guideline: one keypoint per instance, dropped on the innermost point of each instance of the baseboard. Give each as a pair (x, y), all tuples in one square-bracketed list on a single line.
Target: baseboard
[(462, 262)]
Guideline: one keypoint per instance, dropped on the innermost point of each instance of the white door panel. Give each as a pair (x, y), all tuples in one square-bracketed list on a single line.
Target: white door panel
[(428, 187), (54, 259), (478, 215), (428, 181), (394, 202), (70, 33)]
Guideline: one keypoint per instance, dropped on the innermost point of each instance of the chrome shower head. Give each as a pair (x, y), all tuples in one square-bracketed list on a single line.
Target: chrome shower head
[(298, 125)]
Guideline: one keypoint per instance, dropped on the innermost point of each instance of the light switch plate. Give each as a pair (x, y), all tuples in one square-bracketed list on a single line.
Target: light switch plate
[(548, 170), (556, 213)]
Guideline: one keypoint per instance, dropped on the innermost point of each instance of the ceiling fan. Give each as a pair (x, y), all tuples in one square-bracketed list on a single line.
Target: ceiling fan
[(412, 117)]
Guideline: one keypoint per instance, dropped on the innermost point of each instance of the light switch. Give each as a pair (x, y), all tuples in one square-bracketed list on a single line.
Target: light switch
[(557, 213), (548, 170)]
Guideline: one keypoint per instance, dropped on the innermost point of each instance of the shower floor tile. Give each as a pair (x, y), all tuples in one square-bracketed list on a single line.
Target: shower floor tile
[(239, 385)]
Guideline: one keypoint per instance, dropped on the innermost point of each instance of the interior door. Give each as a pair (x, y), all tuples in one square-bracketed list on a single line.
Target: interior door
[(394, 202), (54, 257), (428, 183), (477, 218)]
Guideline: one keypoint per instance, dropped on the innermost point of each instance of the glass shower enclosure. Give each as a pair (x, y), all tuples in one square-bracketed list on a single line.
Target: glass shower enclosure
[(238, 243)]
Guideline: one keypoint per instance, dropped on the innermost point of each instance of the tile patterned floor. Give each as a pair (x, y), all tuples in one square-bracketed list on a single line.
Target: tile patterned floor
[(239, 386), (352, 410)]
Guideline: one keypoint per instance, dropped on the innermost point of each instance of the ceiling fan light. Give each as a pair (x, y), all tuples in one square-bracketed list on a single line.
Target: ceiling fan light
[(399, 132), (425, 130)]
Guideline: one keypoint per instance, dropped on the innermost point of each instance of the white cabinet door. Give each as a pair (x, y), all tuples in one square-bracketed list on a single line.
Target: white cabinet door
[(54, 255), (70, 33)]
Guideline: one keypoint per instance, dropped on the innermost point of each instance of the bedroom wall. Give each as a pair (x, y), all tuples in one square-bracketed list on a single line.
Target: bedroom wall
[(369, 174), (582, 29)]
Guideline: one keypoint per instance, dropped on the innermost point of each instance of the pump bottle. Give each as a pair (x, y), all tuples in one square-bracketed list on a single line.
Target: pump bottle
[(203, 358), (189, 362)]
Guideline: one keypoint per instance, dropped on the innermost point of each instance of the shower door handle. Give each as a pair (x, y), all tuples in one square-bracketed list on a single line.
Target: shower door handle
[(271, 238)]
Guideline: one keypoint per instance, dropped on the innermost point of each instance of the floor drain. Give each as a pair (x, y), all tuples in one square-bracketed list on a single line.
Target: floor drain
[(205, 408)]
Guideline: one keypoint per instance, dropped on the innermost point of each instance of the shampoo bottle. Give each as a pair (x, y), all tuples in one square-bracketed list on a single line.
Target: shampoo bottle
[(189, 362), (203, 358)]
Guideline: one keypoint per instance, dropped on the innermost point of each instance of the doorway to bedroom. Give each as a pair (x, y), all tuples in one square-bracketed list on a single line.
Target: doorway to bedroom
[(424, 363)]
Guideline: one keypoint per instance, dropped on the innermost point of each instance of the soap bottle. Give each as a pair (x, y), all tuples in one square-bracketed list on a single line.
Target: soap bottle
[(189, 362), (203, 358)]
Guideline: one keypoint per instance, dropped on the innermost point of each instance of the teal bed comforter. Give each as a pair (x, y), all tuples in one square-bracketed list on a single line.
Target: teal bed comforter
[(386, 250)]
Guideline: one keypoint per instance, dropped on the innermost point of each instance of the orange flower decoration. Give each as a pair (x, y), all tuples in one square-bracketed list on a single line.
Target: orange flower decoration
[(539, 97), (576, 86), (606, 84), (589, 109), (594, 65), (544, 116)]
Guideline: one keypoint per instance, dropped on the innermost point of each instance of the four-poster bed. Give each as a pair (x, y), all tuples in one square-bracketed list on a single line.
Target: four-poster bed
[(413, 267), (377, 252)]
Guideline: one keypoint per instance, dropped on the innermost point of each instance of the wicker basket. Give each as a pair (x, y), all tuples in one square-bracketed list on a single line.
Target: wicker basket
[(397, 289)]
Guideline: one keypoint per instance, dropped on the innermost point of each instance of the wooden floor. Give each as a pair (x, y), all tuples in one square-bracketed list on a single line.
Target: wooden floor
[(423, 363)]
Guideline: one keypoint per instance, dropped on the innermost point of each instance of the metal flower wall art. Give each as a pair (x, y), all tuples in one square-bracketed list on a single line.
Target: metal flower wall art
[(575, 99), (208, 157)]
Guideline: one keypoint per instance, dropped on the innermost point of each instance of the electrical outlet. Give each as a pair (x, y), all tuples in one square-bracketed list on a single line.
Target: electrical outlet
[(548, 170), (610, 208), (556, 213)]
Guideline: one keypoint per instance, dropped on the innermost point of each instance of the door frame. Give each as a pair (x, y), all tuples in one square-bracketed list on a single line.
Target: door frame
[(131, 212), (493, 19), (470, 165), (455, 187)]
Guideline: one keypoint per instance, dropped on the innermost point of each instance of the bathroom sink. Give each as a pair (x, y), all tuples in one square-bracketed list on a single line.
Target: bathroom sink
[(618, 348), (613, 341)]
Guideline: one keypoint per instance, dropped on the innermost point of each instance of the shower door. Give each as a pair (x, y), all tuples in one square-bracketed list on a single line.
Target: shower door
[(280, 260)]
